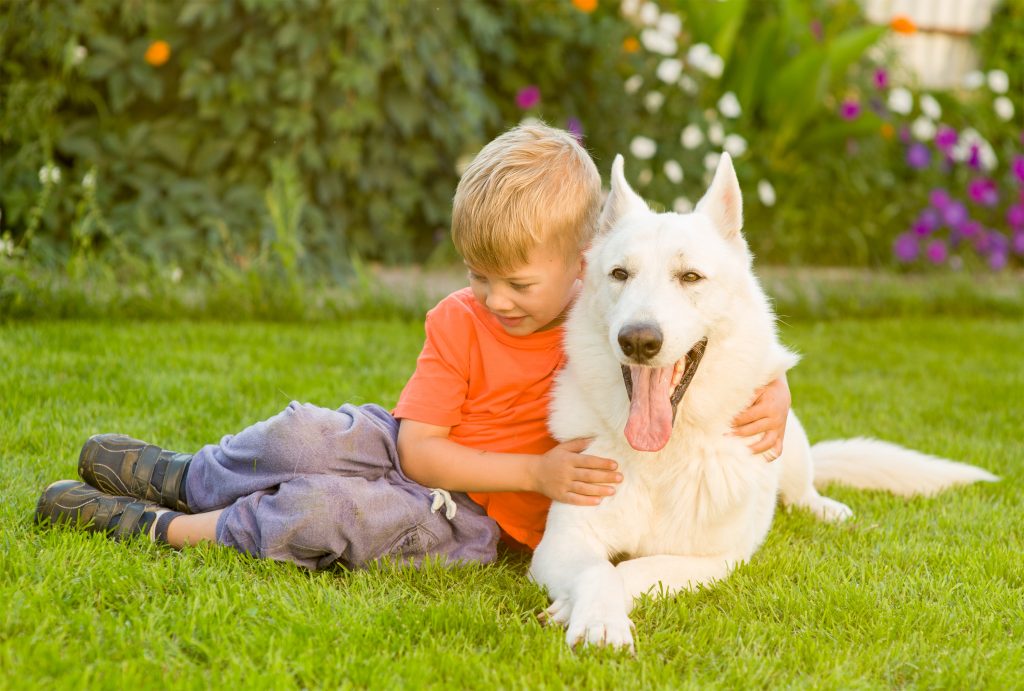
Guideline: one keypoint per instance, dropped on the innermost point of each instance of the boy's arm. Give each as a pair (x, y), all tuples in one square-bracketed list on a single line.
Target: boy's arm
[(564, 474), (766, 416)]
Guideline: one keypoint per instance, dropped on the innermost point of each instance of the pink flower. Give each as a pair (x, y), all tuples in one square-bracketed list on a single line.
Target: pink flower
[(937, 252), (850, 109), (905, 247), (528, 97), (1018, 168), (881, 78), (983, 191)]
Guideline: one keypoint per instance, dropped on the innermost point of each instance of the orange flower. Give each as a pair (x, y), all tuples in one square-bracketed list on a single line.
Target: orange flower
[(587, 6), (902, 24), (631, 45), (158, 53), (887, 130)]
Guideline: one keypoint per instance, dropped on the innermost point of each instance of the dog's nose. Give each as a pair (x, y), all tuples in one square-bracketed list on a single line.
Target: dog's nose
[(640, 341)]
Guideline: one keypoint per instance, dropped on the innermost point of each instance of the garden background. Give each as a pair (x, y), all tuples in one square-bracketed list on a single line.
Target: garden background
[(180, 181)]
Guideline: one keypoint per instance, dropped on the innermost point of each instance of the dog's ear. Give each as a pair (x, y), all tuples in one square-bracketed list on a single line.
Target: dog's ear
[(723, 202), (621, 199)]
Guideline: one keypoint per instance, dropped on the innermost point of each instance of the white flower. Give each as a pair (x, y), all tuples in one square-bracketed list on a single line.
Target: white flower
[(688, 84), (670, 24), (729, 105), (7, 245), (49, 174), (974, 79), (711, 159), (633, 84), (657, 42), (643, 147), (962, 151), (714, 66), (698, 54), (901, 101), (653, 101), (930, 107), (645, 177), (1004, 108), (176, 274), (89, 180), (78, 55), (716, 133), (923, 129), (682, 205), (674, 171), (691, 137), (669, 70), (735, 145), (649, 13), (530, 121), (998, 81), (630, 8), (766, 193)]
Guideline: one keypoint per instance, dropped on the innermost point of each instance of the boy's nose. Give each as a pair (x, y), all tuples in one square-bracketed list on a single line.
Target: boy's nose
[(497, 301)]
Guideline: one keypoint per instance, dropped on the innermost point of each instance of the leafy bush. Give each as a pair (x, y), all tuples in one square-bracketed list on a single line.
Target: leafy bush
[(173, 118)]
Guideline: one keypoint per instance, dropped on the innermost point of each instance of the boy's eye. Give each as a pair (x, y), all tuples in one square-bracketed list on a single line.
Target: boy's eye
[(520, 286), (477, 277)]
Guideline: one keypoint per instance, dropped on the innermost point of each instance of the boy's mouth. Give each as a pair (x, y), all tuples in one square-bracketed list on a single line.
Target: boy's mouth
[(654, 394), (509, 321)]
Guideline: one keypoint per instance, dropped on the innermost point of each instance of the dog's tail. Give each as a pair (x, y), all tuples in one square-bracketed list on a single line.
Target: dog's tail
[(871, 464)]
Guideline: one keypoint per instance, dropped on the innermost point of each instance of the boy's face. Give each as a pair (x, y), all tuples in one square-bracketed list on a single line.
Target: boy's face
[(533, 297)]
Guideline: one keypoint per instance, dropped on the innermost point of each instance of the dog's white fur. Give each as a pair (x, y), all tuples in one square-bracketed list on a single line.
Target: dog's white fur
[(686, 515)]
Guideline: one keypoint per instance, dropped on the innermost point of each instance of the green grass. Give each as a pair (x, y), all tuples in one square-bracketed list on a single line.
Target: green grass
[(920, 593)]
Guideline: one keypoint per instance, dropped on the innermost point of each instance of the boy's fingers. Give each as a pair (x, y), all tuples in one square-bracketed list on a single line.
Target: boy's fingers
[(576, 445), (765, 443), (749, 429), (598, 477), (590, 489), (579, 499), (598, 463)]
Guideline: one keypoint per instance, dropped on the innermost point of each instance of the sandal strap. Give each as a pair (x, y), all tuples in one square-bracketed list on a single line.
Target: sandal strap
[(105, 512), (170, 488), (129, 523), (144, 469)]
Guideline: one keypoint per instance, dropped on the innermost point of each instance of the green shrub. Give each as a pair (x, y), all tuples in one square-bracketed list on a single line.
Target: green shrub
[(370, 103)]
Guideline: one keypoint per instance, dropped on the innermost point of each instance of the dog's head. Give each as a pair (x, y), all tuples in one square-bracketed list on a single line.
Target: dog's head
[(665, 285)]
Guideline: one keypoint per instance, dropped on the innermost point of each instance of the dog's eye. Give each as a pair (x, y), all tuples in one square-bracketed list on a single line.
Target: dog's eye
[(619, 274), (690, 277)]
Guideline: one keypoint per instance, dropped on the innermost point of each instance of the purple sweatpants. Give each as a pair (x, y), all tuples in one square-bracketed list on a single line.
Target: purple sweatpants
[(314, 486)]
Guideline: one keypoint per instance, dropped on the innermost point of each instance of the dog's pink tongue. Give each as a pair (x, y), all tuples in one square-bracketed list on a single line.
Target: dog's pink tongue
[(650, 412)]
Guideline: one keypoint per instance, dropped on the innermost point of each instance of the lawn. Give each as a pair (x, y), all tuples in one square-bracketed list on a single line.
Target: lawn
[(927, 592)]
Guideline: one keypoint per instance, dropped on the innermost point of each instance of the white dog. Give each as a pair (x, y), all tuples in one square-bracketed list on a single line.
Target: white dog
[(667, 342)]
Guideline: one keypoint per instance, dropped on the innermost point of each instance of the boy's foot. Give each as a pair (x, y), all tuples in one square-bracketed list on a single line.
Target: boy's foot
[(120, 465), (76, 503)]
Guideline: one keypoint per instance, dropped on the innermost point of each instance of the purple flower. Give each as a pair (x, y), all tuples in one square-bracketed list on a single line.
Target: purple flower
[(939, 198), (937, 252), (927, 221), (974, 161), (905, 247), (528, 97), (919, 156), (881, 78), (1018, 242), (1018, 168), (1015, 216), (955, 214), (983, 191), (905, 134), (575, 128), (997, 260), (850, 109), (816, 30), (945, 139)]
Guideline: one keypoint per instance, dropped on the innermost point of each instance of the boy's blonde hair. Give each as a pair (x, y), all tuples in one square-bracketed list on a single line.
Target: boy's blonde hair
[(532, 185)]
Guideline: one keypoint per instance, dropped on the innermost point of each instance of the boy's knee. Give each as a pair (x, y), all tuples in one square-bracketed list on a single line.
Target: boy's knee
[(304, 430)]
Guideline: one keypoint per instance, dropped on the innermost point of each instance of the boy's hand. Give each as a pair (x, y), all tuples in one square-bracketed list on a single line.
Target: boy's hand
[(766, 416), (566, 475)]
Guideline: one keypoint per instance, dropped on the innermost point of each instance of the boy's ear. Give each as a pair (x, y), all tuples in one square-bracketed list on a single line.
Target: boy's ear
[(621, 199), (723, 202)]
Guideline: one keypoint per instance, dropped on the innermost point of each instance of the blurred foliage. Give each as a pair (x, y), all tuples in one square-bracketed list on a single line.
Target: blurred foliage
[(1001, 44), (183, 110)]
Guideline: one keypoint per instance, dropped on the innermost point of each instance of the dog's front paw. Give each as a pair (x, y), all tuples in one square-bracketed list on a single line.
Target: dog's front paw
[(600, 626), (557, 613)]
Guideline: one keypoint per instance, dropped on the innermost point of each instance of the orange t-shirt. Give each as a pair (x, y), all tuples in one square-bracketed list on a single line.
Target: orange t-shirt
[(492, 390)]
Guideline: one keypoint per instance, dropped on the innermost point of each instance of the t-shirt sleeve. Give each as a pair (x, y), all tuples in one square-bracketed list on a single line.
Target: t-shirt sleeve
[(437, 389)]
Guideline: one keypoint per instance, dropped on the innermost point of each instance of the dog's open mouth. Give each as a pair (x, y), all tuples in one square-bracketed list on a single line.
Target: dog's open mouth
[(654, 394)]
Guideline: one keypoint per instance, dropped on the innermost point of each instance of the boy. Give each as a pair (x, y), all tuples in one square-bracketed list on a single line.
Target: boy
[(314, 486)]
